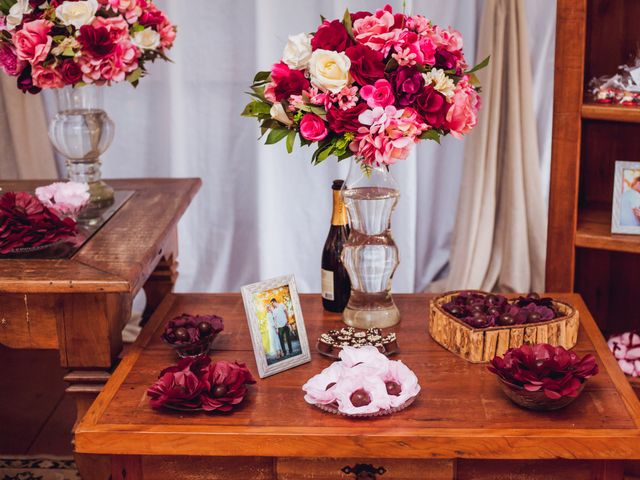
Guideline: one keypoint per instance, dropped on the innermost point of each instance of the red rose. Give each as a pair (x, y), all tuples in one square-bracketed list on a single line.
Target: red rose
[(407, 83), (367, 65), (96, 41), (445, 59), (331, 36), (151, 18), (341, 121), (71, 72), (287, 81), (433, 106), (312, 127), (225, 385), (358, 15)]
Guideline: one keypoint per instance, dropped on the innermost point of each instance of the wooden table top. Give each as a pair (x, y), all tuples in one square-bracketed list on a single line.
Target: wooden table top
[(460, 412), (120, 256)]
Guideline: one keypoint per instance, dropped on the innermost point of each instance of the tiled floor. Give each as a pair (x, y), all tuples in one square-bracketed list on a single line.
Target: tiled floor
[(35, 414)]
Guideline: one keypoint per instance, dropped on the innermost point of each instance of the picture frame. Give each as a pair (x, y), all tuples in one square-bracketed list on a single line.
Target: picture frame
[(625, 214), (276, 325)]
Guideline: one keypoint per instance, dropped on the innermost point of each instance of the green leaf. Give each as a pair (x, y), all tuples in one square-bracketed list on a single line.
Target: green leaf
[(5, 5), (261, 77), (290, 139), (392, 64), (68, 52), (58, 38), (134, 76), (346, 21), (137, 28), (255, 108), (432, 134), (275, 135), (479, 66)]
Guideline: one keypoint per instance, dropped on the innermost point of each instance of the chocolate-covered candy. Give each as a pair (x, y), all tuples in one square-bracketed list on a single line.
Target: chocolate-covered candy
[(219, 391), (506, 320), (393, 388), (204, 329), (182, 334), (360, 398)]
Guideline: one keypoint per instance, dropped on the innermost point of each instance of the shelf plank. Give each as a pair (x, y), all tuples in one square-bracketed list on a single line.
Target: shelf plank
[(612, 113), (594, 231)]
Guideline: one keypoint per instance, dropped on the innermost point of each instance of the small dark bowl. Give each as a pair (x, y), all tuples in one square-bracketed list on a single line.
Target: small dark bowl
[(194, 349), (535, 400)]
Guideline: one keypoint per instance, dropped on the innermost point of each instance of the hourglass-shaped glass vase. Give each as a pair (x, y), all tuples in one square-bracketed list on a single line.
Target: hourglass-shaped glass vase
[(82, 131), (370, 255)]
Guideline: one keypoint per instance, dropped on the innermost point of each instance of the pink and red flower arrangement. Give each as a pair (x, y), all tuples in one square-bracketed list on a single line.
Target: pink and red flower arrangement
[(554, 370), (25, 222), (54, 43), (364, 382), (369, 85), (626, 348), (197, 384)]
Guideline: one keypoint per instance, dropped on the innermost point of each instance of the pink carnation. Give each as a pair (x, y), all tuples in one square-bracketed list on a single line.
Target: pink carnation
[(33, 41), (117, 27), (376, 31), (65, 198), (167, 33), (9, 61), (47, 77), (113, 68), (463, 113)]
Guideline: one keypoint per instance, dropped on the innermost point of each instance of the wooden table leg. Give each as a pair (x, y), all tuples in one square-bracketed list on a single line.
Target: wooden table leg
[(162, 280), (126, 467)]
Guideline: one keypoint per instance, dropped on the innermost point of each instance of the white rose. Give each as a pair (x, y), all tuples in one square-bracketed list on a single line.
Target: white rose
[(16, 13), (297, 52), (77, 13), (277, 113), (147, 39), (329, 70)]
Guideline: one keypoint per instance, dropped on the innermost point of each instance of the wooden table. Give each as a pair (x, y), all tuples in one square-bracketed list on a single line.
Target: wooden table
[(80, 305), (459, 426)]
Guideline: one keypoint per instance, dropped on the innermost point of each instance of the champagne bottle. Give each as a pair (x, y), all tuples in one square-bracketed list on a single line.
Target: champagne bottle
[(336, 285)]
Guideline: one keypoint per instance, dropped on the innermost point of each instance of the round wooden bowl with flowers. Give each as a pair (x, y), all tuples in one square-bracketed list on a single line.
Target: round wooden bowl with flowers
[(477, 325)]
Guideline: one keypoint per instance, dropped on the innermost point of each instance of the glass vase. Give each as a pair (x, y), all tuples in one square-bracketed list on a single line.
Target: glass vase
[(370, 254), (82, 131)]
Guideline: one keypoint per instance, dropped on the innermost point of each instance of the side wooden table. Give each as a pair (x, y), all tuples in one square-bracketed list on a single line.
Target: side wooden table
[(80, 305), (460, 427)]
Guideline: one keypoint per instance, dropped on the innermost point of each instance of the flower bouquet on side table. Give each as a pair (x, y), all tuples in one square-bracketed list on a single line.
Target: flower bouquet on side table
[(369, 86), (65, 45)]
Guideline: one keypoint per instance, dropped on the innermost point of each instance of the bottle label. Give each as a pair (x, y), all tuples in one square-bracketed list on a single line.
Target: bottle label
[(327, 284)]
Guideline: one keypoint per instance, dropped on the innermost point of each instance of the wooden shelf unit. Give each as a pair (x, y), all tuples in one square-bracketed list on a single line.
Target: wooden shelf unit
[(612, 113), (593, 38)]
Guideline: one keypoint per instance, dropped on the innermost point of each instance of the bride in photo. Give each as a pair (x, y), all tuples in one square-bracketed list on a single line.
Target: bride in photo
[(275, 347)]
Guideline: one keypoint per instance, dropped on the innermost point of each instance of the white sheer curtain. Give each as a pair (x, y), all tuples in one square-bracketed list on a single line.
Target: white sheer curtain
[(262, 212)]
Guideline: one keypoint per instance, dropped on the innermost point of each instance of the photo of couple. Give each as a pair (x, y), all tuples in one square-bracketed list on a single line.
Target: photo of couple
[(277, 323)]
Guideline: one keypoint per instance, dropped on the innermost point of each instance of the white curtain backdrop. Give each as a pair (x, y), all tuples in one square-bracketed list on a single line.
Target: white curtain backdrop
[(262, 212)]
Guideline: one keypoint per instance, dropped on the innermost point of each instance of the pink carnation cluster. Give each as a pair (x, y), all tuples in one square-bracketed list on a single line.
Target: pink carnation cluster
[(363, 382), (626, 349), (371, 85), (51, 44)]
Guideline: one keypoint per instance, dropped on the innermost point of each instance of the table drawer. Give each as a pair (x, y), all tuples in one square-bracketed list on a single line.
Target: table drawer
[(363, 469)]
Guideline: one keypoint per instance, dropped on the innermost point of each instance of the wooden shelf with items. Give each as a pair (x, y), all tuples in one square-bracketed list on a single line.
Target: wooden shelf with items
[(611, 113), (594, 231)]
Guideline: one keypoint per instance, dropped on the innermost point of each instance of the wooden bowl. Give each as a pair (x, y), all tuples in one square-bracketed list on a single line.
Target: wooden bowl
[(480, 345), (535, 400)]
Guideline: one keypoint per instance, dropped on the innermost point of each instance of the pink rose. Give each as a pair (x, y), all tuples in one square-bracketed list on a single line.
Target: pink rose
[(112, 68), (47, 77), (463, 113), (9, 61), (379, 94), (33, 41), (376, 30), (313, 128)]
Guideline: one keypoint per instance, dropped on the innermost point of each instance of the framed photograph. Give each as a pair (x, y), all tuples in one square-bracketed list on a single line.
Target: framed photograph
[(625, 217), (275, 322)]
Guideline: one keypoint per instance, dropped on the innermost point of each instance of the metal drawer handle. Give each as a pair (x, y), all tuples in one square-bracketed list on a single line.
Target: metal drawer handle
[(364, 471)]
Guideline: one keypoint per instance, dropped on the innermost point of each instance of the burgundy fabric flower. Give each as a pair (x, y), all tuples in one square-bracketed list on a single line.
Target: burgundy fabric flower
[(408, 84), (225, 385), (331, 36), (26, 222), (341, 121), (287, 81), (71, 72), (180, 386), (151, 18), (433, 106), (367, 65), (25, 81), (96, 41), (556, 371), (445, 59)]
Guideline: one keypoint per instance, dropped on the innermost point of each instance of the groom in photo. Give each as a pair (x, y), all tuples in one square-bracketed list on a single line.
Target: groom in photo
[(279, 313)]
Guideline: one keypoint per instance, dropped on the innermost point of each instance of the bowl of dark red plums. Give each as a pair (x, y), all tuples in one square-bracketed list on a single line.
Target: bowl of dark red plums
[(192, 335)]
